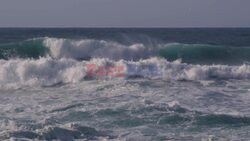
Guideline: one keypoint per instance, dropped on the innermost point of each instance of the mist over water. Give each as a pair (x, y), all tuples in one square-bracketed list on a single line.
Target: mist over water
[(200, 92)]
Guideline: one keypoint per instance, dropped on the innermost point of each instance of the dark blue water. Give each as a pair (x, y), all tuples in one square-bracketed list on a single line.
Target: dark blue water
[(213, 36)]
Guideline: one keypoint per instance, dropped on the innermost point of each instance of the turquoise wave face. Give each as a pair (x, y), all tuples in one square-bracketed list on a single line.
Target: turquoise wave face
[(33, 48), (75, 49), (205, 54)]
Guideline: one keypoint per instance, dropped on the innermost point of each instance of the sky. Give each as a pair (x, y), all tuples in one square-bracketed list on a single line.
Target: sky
[(124, 13)]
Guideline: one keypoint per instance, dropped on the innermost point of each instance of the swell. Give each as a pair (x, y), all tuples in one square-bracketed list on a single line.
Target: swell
[(175, 114), (86, 49)]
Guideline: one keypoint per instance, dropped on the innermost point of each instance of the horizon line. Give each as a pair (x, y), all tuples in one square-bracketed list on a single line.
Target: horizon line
[(114, 27)]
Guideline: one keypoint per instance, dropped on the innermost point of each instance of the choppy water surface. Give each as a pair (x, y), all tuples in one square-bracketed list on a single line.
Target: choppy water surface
[(201, 92)]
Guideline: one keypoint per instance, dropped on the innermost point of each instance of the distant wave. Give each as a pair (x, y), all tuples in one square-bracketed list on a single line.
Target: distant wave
[(86, 49), (49, 72)]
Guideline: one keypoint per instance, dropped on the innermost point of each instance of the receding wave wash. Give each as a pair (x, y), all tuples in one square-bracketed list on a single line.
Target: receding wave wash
[(176, 84)]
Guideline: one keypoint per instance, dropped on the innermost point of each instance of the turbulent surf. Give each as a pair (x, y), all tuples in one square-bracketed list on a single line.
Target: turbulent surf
[(124, 84)]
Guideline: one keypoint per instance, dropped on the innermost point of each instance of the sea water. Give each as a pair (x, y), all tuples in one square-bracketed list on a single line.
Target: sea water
[(173, 84)]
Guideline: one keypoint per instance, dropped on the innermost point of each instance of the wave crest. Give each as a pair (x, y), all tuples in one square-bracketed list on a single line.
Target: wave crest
[(84, 49), (49, 72)]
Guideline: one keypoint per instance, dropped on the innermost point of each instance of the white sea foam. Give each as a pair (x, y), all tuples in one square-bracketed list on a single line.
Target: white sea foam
[(81, 49), (48, 71)]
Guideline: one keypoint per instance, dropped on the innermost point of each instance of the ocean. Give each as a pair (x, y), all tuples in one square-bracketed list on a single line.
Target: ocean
[(135, 84)]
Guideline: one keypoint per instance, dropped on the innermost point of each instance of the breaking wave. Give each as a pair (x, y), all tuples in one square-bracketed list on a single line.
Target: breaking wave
[(49, 72), (52, 61), (86, 49)]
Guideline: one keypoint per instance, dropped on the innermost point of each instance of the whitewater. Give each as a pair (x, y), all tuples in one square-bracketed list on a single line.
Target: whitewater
[(175, 90)]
